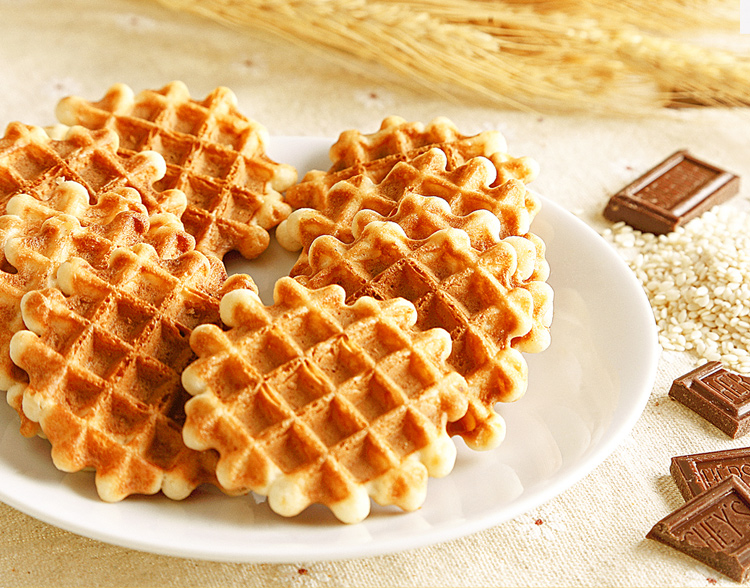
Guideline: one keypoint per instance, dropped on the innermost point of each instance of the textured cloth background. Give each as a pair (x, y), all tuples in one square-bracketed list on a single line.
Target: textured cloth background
[(593, 534)]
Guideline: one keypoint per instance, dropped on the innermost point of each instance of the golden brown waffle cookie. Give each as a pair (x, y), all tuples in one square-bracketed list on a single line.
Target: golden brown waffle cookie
[(493, 303), (466, 189), (313, 401), (396, 136), (32, 162), (420, 217), (214, 154), (36, 237), (104, 354), (374, 156)]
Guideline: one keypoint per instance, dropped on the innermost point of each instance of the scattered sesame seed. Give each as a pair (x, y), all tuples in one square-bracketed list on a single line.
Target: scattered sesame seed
[(697, 279)]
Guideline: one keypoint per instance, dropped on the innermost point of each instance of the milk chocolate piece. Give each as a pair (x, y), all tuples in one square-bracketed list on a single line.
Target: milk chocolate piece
[(713, 527), (678, 189), (720, 396), (697, 473)]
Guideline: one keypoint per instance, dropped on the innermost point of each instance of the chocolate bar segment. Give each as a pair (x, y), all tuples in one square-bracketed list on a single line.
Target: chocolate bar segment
[(678, 189), (696, 473), (713, 527), (720, 396)]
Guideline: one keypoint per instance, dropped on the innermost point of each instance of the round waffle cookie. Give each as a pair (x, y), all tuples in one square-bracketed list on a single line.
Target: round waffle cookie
[(33, 162), (398, 137), (493, 303), (466, 188), (37, 236), (214, 154), (420, 217), (373, 156), (104, 355), (310, 400)]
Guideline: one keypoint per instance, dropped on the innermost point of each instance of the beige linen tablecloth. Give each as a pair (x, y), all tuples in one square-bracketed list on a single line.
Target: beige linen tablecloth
[(591, 535)]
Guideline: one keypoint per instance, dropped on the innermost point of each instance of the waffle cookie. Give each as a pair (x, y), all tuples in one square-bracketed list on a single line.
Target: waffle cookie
[(32, 162), (494, 303), (104, 355), (37, 236), (313, 401), (374, 156), (466, 189), (214, 154), (419, 217), (398, 137)]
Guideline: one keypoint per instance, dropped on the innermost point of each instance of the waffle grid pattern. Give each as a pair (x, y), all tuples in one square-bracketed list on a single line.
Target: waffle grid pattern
[(319, 402), (312, 191), (397, 137), (485, 300), (373, 156), (36, 237), (33, 163), (466, 189), (420, 217), (104, 364), (213, 153)]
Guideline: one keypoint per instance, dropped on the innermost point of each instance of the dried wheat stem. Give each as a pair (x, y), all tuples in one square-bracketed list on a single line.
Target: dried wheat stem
[(648, 15), (507, 52), (692, 74), (408, 41)]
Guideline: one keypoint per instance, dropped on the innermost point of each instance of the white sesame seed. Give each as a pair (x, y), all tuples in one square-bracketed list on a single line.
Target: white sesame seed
[(697, 279)]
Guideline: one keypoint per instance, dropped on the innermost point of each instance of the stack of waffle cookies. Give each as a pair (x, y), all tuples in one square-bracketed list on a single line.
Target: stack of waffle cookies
[(129, 348)]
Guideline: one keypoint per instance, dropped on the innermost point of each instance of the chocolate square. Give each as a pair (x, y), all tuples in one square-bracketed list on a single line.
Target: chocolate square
[(680, 188), (713, 527), (696, 473), (720, 396)]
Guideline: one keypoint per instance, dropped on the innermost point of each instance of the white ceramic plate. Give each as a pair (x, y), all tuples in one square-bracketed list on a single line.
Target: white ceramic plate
[(585, 394)]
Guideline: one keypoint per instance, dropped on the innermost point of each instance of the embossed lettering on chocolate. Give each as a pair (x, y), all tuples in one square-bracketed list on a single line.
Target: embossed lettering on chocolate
[(719, 395), (697, 473), (713, 527)]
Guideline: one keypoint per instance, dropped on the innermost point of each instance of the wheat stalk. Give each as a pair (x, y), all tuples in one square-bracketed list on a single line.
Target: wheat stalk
[(539, 54), (662, 15), (686, 73)]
